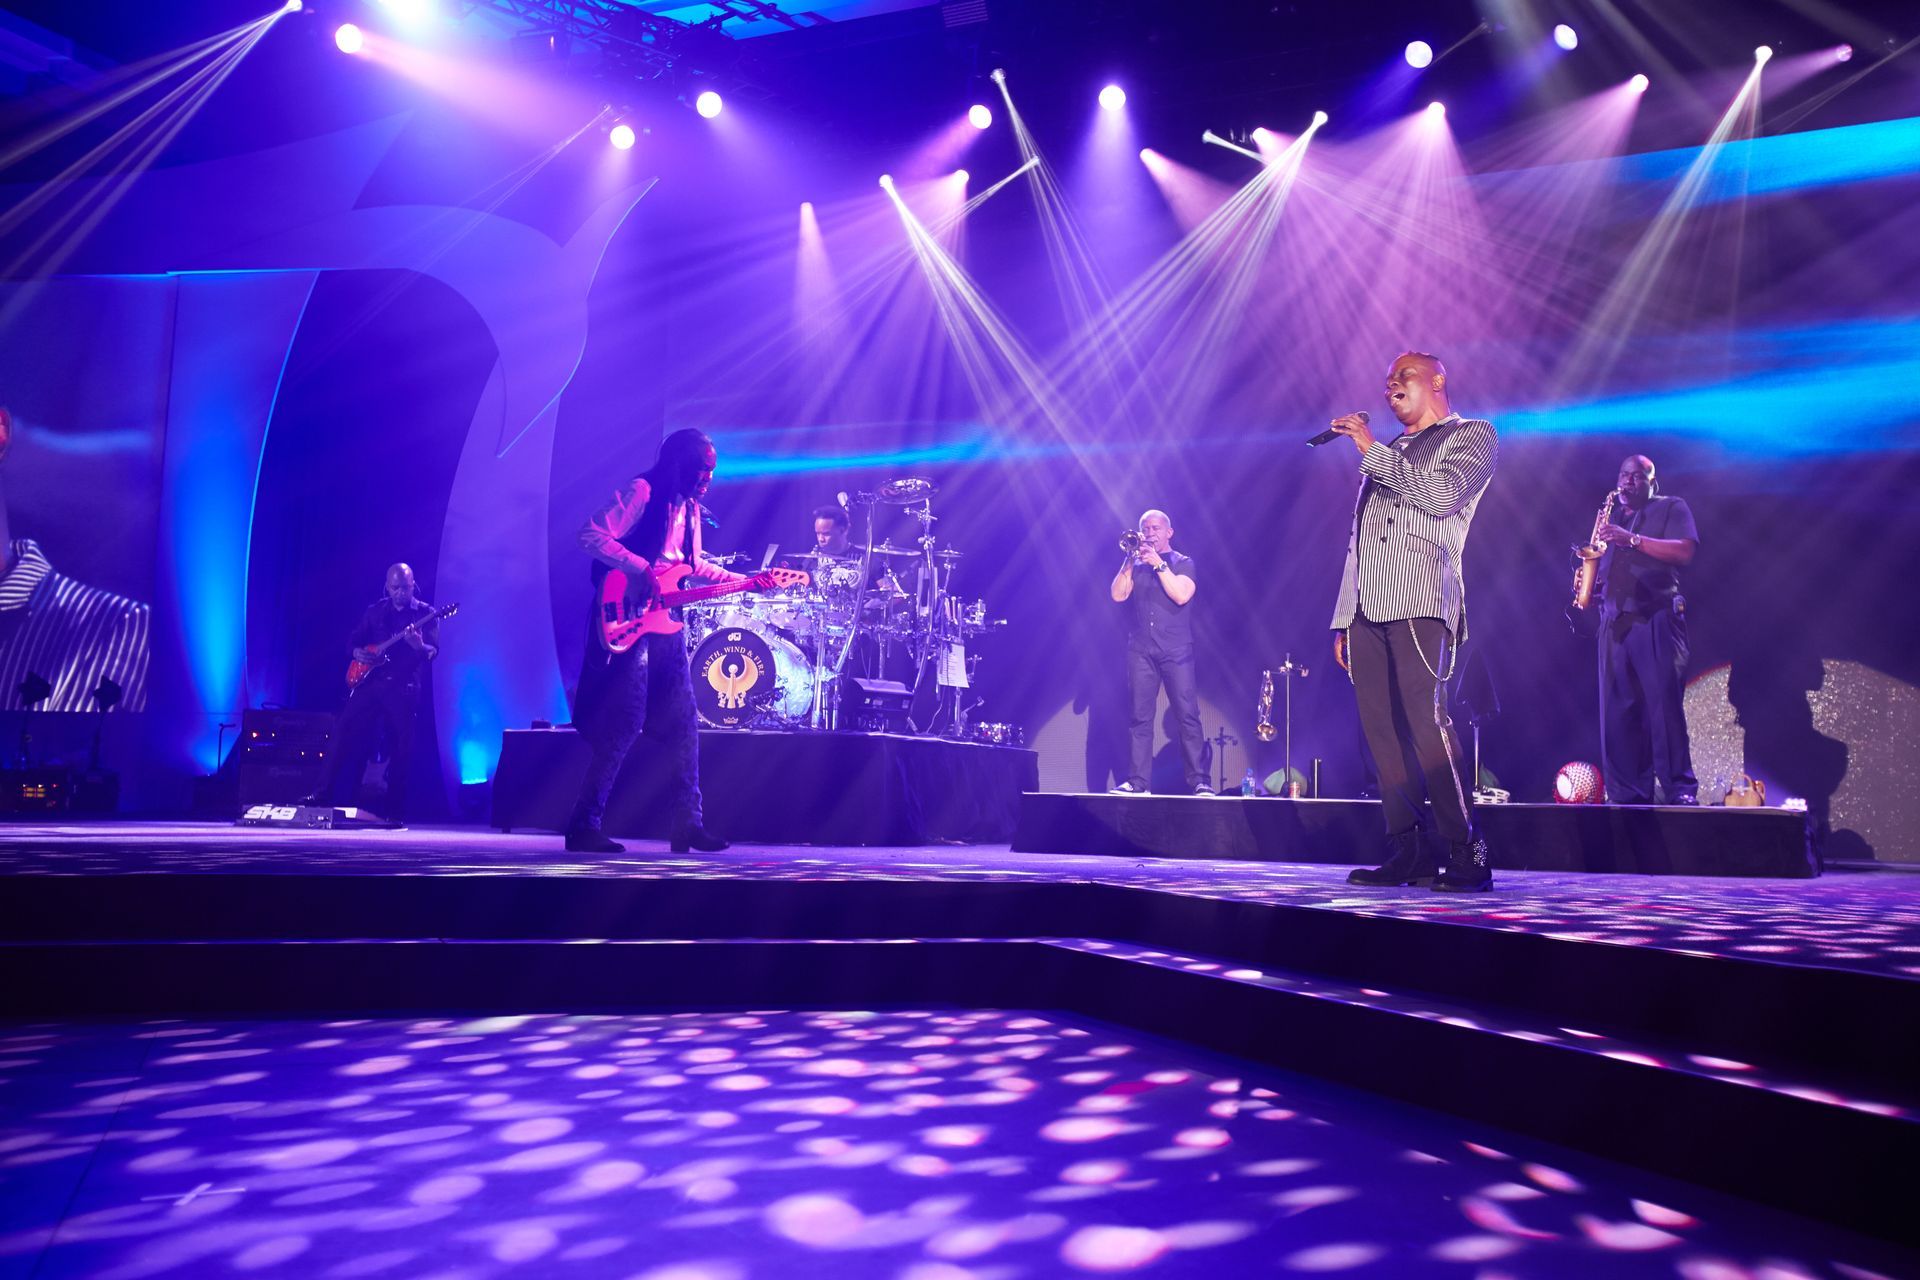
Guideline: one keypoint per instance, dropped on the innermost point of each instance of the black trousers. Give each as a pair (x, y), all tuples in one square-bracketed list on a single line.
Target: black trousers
[(1643, 718), (375, 703), (1147, 671), (646, 689), (1403, 712)]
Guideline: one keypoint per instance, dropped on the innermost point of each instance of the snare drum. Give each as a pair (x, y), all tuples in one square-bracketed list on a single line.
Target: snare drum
[(743, 674)]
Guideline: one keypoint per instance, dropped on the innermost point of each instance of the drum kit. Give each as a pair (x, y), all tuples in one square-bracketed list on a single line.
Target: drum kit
[(775, 659)]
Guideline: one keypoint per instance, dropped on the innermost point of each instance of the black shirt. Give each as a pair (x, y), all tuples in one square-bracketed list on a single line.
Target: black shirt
[(1635, 581), (1154, 622), (381, 620)]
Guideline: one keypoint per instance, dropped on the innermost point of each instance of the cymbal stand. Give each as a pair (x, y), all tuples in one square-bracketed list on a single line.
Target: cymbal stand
[(825, 716)]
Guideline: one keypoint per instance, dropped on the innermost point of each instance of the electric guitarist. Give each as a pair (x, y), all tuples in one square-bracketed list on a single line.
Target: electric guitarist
[(396, 638), (650, 530)]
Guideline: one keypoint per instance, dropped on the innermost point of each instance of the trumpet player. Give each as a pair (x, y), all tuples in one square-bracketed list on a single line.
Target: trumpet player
[(1401, 613), (1643, 642), (1155, 584)]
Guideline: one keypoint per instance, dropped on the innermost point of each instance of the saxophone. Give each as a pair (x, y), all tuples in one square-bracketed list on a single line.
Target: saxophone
[(1588, 566), (1263, 719)]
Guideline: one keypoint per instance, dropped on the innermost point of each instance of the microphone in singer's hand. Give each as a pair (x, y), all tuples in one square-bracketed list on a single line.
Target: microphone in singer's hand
[(1330, 434)]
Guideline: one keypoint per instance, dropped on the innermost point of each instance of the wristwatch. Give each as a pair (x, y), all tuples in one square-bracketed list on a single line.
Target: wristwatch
[(1163, 567), (1634, 542)]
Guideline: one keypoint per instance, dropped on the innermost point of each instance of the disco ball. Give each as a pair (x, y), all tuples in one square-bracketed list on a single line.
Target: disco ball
[(1579, 783)]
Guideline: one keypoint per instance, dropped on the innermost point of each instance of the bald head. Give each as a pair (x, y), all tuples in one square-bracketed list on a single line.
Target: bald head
[(1417, 389), (400, 585), (1635, 481), (1156, 529)]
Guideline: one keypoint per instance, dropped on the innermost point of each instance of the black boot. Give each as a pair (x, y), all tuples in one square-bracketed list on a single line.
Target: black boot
[(1407, 863), (592, 840), (1469, 868), (696, 838)]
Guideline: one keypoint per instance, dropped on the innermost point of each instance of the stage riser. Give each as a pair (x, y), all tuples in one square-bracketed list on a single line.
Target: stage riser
[(1858, 1031), (1524, 837), (781, 788), (1799, 1156)]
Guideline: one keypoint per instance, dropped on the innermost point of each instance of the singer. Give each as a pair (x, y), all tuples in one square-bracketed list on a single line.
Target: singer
[(1401, 613)]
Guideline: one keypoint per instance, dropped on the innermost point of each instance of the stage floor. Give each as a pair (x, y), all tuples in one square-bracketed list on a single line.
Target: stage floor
[(912, 1144), (1867, 921)]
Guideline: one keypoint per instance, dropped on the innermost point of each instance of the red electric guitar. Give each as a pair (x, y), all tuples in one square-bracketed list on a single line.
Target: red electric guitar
[(621, 626), (358, 670)]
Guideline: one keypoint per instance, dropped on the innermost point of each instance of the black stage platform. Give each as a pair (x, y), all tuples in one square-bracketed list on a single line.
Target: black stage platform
[(1754, 1037), (784, 788), (1644, 840)]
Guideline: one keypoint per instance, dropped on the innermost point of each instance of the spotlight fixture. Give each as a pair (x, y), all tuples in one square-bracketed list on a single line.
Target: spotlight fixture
[(348, 38), (1436, 109), (886, 181), (997, 76), (1260, 133), (1113, 97), (1639, 83), (1566, 37), (961, 176), (708, 104), (1419, 54), (292, 6), (806, 206), (1763, 53), (1843, 54), (622, 137), (106, 695), (1319, 117), (1146, 155), (409, 11), (980, 116)]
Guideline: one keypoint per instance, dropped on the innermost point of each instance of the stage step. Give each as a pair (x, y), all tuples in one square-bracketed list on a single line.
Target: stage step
[(1753, 1129), (1642, 839), (1854, 1031)]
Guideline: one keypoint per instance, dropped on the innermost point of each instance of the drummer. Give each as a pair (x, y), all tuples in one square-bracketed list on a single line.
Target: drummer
[(830, 529)]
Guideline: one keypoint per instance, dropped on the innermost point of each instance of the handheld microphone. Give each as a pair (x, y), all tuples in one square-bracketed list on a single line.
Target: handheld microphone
[(1330, 434)]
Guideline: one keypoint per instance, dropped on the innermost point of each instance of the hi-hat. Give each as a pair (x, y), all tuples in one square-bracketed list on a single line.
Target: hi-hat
[(906, 490)]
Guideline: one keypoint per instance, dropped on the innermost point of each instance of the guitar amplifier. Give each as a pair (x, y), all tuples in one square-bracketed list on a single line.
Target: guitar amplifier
[(282, 754)]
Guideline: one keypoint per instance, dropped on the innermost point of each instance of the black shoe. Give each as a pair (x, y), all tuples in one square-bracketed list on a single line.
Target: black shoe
[(697, 838), (592, 841), (1204, 790), (1469, 868), (1407, 863), (1128, 788)]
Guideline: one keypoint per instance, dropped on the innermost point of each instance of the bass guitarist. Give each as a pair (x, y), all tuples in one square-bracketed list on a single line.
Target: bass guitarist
[(652, 523), (387, 696)]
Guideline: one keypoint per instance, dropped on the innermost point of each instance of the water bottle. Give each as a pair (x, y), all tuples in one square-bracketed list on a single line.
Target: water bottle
[(1248, 787)]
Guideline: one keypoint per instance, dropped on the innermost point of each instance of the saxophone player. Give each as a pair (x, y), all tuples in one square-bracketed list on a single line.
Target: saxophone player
[(1155, 584), (1401, 613), (1643, 642)]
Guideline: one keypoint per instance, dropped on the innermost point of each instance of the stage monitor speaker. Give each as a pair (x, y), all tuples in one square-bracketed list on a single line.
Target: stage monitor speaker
[(309, 816), (875, 706), (282, 755)]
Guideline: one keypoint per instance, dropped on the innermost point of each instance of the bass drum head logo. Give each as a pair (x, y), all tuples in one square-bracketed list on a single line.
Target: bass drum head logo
[(733, 676)]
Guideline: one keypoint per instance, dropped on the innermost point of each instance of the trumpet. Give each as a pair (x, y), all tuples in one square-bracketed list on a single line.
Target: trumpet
[(1587, 567), (1131, 541)]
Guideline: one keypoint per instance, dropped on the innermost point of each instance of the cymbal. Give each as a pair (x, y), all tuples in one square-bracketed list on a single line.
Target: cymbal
[(888, 549), (948, 553), (905, 490)]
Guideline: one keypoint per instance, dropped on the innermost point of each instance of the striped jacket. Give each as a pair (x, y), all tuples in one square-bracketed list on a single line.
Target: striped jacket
[(71, 635), (1410, 521)]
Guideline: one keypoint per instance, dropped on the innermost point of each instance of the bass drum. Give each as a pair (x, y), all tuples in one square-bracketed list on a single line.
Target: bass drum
[(744, 674)]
